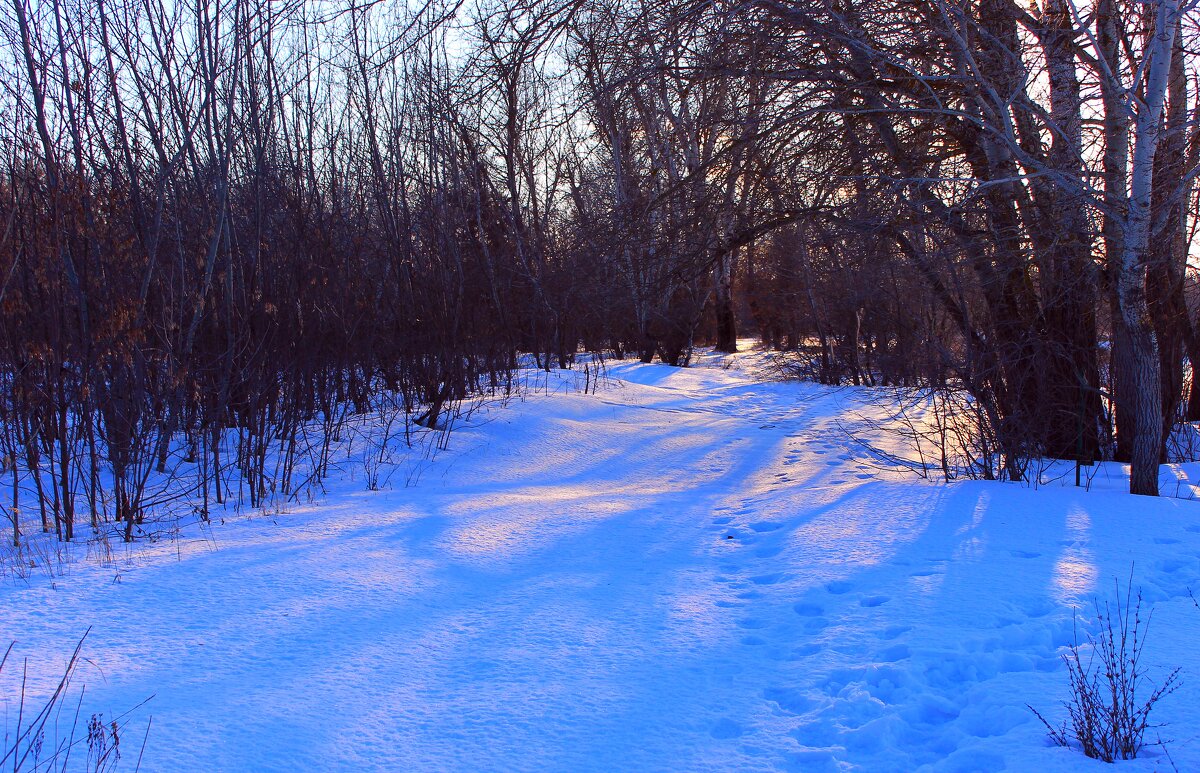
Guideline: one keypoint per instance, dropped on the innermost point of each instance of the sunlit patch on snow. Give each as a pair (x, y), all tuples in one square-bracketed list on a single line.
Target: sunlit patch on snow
[(530, 519), (695, 619), (981, 508), (1074, 575), (1079, 523), (970, 549), (1075, 572)]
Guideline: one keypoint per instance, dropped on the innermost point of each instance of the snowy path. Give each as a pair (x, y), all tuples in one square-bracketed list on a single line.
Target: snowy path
[(688, 571)]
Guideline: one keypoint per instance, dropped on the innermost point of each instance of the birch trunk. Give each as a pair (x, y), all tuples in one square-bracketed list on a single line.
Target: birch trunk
[(1144, 401)]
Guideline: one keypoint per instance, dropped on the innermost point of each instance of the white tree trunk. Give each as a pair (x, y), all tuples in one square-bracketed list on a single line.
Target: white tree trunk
[(1131, 279)]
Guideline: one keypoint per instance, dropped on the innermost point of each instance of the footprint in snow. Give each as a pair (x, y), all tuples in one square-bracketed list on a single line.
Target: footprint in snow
[(836, 681), (838, 587), (725, 729), (805, 609), (764, 526), (1170, 565), (789, 699), (874, 601), (895, 631), (753, 641), (769, 551), (1165, 541), (894, 653), (1024, 554), (752, 623), (805, 650), (722, 520), (767, 579), (1039, 608), (815, 625)]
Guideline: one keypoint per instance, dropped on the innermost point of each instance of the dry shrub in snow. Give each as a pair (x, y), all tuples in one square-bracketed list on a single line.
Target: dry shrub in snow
[(37, 743), (1108, 712)]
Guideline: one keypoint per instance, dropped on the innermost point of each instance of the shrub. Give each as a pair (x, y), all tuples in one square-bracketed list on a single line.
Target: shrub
[(1108, 712)]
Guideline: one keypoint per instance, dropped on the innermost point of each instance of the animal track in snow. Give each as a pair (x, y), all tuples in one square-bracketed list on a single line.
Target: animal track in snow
[(1039, 608), (894, 653), (815, 625), (1171, 565), (805, 650), (725, 729), (789, 699)]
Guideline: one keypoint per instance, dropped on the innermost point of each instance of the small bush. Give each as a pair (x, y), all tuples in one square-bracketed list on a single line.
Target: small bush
[(1108, 712)]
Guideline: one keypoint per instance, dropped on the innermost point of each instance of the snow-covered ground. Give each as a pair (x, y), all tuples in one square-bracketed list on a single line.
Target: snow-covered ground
[(691, 570)]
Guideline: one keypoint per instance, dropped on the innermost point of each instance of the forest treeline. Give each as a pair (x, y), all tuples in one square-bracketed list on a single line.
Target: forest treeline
[(247, 215)]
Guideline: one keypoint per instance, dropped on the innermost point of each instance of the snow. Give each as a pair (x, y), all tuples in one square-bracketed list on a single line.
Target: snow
[(691, 569)]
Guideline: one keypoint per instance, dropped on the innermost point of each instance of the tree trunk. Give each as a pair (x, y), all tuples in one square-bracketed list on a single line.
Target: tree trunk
[(1167, 259), (723, 305), (1146, 400), (1122, 367)]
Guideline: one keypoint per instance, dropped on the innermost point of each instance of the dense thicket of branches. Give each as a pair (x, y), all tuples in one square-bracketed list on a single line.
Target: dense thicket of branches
[(244, 216), (235, 216), (1029, 169)]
